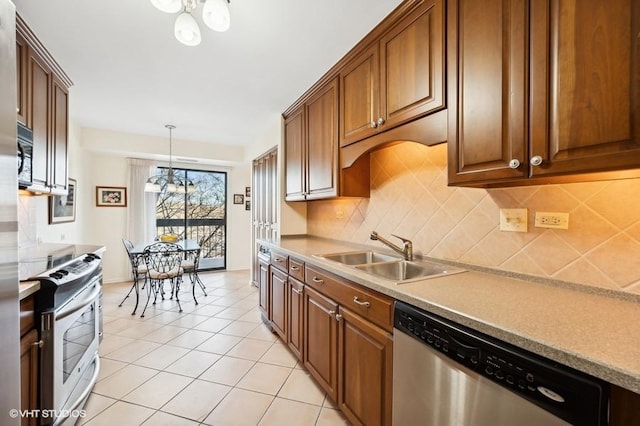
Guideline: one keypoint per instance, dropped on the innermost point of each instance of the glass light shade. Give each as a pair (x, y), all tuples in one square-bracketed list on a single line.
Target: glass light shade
[(171, 187), (152, 186), (168, 6), (186, 30), (191, 188), (215, 15)]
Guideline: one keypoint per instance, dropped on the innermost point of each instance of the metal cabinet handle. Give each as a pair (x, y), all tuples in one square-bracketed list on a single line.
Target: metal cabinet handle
[(338, 317), (373, 124), (331, 313), (536, 160), (365, 304), (39, 344), (279, 260), (514, 164), (294, 268), (317, 280), (295, 290), (380, 121)]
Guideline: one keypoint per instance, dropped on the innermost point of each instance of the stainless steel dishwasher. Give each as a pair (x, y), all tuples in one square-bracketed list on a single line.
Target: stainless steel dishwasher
[(445, 374)]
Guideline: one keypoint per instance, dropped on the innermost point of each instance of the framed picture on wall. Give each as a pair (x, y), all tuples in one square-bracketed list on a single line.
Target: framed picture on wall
[(247, 191), (111, 196), (247, 205), (62, 208), (238, 199)]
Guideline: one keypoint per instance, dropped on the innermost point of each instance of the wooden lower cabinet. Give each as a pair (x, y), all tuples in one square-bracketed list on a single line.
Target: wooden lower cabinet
[(278, 302), (29, 365), (295, 323), (321, 340), (263, 286), (365, 368)]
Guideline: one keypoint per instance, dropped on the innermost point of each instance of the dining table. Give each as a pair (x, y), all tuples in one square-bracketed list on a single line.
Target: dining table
[(138, 250)]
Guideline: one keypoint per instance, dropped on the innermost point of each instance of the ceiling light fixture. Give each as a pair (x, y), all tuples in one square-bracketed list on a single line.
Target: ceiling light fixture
[(215, 14), (169, 182)]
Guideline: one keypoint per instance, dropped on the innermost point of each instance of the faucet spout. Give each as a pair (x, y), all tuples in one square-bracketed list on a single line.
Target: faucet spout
[(406, 250)]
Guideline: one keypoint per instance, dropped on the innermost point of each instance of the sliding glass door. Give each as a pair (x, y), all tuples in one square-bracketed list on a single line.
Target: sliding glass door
[(200, 215)]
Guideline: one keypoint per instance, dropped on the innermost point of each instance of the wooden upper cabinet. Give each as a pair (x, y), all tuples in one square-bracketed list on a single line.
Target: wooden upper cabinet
[(542, 89), (59, 135), (21, 74), (585, 89), (311, 146), (398, 78), (39, 100), (322, 143), (294, 155), (358, 97), (487, 83)]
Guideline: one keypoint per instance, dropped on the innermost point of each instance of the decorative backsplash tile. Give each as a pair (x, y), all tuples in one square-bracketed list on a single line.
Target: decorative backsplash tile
[(410, 197)]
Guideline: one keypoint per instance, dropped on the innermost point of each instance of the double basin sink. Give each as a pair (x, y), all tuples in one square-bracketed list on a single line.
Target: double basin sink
[(391, 267)]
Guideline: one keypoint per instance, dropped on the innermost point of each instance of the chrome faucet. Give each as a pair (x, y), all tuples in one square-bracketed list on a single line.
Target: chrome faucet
[(406, 250)]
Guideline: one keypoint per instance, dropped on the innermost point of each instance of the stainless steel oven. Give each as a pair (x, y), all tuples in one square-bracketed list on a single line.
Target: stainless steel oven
[(70, 313)]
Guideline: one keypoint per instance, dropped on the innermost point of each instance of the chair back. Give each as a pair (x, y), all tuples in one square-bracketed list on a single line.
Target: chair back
[(163, 260)]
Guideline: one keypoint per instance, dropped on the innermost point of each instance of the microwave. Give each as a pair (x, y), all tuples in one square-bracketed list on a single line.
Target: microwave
[(25, 155)]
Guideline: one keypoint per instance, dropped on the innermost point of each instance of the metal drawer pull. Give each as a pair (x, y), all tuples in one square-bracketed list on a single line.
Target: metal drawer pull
[(295, 290), (294, 268), (317, 280), (365, 304), (277, 259), (39, 343)]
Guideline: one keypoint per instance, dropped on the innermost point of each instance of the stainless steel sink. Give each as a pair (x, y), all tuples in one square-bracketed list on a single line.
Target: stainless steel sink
[(359, 257), (405, 271)]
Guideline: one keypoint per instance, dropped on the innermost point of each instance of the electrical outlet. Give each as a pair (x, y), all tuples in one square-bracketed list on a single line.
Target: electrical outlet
[(553, 220), (514, 220)]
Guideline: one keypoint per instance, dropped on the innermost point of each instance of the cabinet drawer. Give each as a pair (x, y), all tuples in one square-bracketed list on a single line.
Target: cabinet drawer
[(296, 269), (27, 315), (280, 261), (367, 303)]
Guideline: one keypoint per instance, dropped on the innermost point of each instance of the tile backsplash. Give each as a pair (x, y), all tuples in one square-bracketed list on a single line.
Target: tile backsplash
[(410, 198)]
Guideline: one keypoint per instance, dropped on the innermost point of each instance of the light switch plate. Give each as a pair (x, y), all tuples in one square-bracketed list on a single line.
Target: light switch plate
[(514, 220)]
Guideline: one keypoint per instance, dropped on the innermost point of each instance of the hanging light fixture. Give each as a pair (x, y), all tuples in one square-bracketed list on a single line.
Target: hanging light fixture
[(215, 14), (170, 182)]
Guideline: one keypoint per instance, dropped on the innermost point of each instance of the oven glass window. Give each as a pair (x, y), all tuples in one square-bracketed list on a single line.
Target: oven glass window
[(77, 340)]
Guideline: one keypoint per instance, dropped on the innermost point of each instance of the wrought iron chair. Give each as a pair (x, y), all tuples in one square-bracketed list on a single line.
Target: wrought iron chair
[(190, 265), (138, 271), (163, 263)]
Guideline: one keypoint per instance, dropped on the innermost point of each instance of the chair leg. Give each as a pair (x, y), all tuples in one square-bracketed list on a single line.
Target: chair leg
[(176, 282), (197, 278), (149, 290), (193, 288), (136, 284), (128, 294)]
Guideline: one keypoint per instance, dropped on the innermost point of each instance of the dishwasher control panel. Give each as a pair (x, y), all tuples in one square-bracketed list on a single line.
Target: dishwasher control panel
[(555, 387)]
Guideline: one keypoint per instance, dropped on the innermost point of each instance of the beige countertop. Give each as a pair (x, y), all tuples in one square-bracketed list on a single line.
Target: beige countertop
[(27, 288), (593, 333)]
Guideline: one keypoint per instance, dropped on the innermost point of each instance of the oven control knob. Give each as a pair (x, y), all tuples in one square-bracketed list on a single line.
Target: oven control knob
[(63, 272)]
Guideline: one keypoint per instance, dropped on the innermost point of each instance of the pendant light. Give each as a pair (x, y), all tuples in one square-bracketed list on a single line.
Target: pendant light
[(215, 14), (170, 182)]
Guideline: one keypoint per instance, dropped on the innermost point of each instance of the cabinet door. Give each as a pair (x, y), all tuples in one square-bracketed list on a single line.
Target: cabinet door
[(412, 65), (263, 283), (322, 143), (29, 375), (365, 366), (320, 340), (278, 302), (21, 75), (585, 90), (359, 92), (294, 134), (39, 80), (59, 135), (295, 295), (487, 42)]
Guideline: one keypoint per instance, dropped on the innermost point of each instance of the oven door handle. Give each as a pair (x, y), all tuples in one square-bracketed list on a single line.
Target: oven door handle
[(85, 392), (85, 302)]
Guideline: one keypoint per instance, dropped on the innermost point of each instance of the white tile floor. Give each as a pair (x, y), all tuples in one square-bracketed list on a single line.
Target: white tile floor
[(214, 364)]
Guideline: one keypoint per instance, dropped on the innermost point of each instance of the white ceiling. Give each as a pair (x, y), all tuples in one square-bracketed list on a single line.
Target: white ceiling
[(131, 75)]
